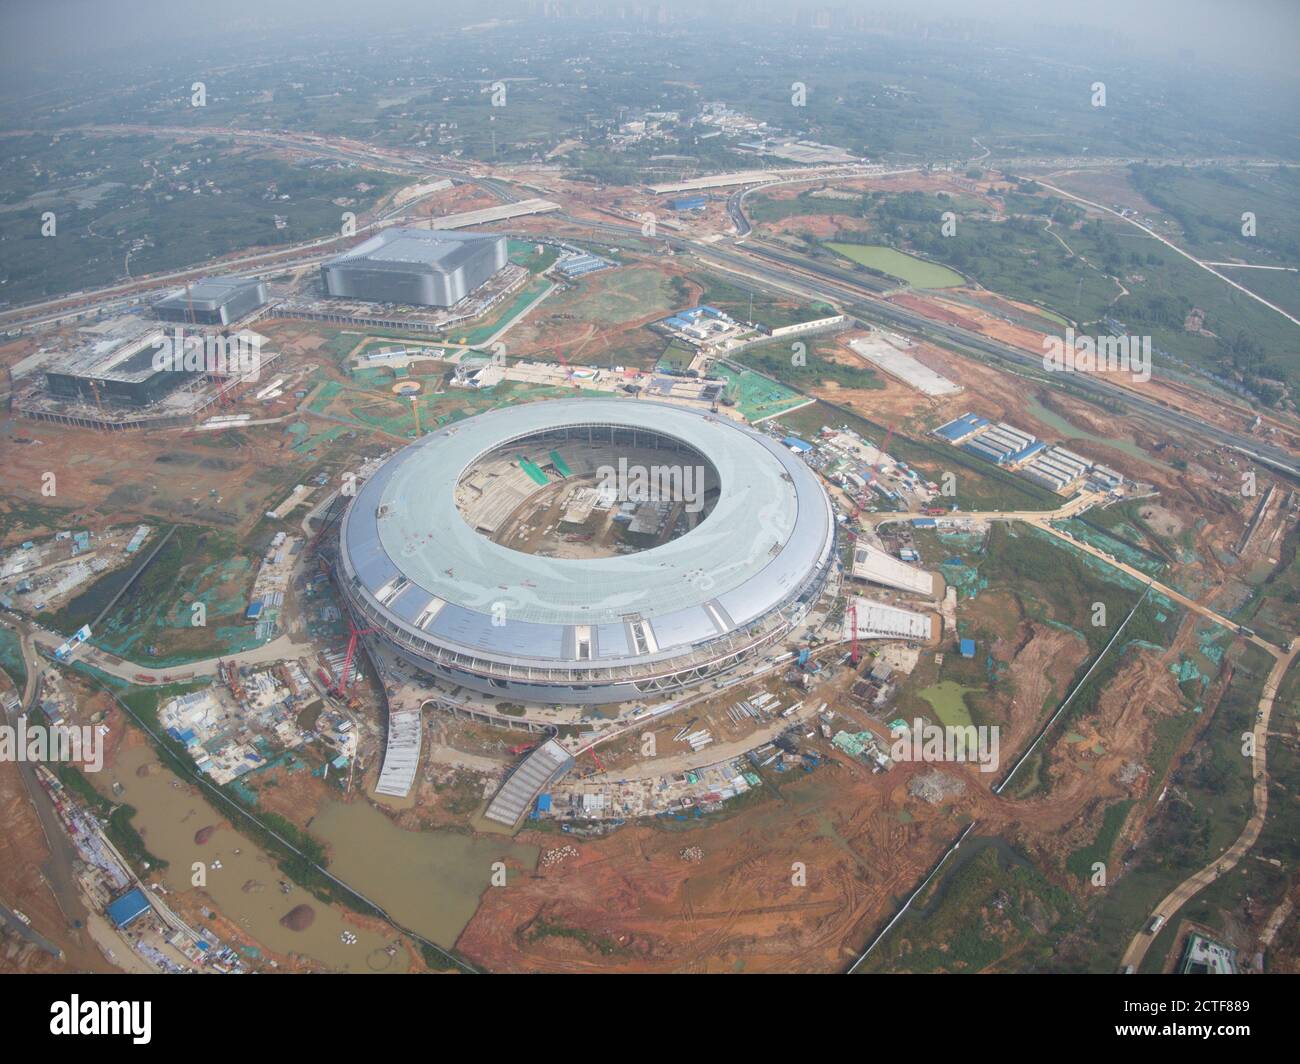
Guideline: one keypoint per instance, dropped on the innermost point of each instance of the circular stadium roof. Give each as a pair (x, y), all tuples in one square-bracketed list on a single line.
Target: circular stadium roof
[(406, 544)]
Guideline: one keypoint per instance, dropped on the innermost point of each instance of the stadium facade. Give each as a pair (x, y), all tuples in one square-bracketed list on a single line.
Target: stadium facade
[(422, 267), (595, 630), (213, 301)]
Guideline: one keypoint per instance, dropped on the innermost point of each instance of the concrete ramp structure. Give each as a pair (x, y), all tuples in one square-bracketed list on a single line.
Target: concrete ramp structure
[(877, 566), (402, 755), (879, 621), (539, 770)]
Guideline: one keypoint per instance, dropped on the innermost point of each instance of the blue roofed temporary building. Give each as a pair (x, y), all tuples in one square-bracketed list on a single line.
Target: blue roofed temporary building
[(962, 428), (968, 648), (1026, 453), (128, 908)]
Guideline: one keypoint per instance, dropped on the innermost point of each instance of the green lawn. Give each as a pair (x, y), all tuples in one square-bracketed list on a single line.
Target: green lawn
[(916, 272), (948, 700)]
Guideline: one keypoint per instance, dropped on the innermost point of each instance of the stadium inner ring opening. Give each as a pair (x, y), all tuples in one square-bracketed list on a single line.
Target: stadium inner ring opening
[(550, 629), (635, 489)]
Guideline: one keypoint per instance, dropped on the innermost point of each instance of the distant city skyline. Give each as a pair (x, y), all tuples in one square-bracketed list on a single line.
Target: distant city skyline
[(1248, 34)]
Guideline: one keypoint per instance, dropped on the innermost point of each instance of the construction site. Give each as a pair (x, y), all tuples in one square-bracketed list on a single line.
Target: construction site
[(109, 376), (676, 856)]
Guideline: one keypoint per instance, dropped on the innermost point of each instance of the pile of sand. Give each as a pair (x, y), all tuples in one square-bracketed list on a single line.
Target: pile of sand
[(299, 918)]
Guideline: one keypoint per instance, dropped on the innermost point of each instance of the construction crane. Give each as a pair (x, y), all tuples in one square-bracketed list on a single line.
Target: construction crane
[(568, 370), (884, 447), (861, 501), (333, 512), (854, 654), (355, 633), (858, 505)]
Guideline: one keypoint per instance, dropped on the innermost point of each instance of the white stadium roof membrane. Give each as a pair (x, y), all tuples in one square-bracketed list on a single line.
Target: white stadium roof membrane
[(413, 561)]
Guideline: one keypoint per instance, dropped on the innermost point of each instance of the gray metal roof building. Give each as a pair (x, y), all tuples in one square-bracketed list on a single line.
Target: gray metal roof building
[(423, 267), (598, 629), (213, 301)]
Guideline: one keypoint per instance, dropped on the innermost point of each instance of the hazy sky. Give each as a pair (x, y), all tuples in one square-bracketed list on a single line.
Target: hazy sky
[(1245, 33)]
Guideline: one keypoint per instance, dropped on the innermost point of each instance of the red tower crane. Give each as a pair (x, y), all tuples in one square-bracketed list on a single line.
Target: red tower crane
[(855, 654), (880, 458), (568, 370), (858, 504), (355, 633)]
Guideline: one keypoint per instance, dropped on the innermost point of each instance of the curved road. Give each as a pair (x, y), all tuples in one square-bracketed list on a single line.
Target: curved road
[(1221, 866), (1283, 659)]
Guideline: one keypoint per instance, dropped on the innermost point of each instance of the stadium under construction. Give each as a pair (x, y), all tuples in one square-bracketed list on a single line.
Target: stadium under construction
[(495, 554)]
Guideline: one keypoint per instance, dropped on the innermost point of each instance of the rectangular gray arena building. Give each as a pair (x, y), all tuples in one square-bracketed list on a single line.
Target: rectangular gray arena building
[(212, 301), (423, 267), (118, 372)]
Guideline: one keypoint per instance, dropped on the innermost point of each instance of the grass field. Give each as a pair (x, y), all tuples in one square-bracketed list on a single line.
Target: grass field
[(677, 355), (503, 317), (755, 396), (948, 700), (152, 622), (744, 305), (989, 909), (775, 360), (916, 272), (613, 297)]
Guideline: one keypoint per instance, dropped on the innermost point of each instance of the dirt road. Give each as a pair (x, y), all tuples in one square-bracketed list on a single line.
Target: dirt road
[(1192, 885)]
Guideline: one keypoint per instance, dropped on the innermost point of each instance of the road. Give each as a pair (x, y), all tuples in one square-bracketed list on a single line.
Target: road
[(278, 649), (1042, 519), (769, 266), (773, 269), (1221, 866), (789, 273), (58, 871), (1190, 887), (9, 918), (1207, 266), (270, 261)]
